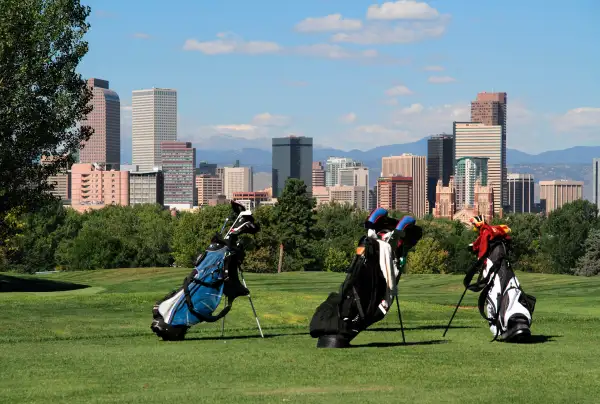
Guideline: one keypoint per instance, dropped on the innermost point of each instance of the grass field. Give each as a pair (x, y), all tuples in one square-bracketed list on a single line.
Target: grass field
[(94, 345)]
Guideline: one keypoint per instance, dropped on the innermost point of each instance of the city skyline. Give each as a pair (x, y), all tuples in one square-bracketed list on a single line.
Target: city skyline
[(234, 85)]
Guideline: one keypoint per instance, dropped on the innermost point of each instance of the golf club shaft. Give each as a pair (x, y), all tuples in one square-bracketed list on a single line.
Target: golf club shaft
[(400, 317), (455, 310)]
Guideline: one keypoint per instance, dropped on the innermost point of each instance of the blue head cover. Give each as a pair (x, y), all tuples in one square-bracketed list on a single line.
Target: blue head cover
[(405, 222), (379, 220)]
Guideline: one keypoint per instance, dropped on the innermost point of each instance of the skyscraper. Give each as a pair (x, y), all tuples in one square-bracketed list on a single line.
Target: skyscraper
[(355, 177), (480, 140), (154, 120), (596, 181), (178, 162), (292, 158), (440, 164), (237, 179), (318, 174), (520, 193), (414, 167), (333, 165), (104, 146), (469, 170), (395, 193), (490, 109)]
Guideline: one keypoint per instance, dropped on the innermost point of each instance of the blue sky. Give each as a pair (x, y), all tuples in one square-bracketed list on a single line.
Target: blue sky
[(353, 74)]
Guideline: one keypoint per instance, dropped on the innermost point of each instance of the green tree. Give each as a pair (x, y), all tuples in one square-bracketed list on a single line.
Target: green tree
[(295, 220), (427, 257), (589, 263), (336, 260), (193, 231), (564, 234), (42, 97)]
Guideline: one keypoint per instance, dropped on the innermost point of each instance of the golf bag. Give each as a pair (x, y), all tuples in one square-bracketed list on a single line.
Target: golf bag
[(216, 274), (502, 301), (370, 286)]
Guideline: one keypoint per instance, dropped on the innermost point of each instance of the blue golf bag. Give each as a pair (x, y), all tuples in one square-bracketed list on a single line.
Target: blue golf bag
[(370, 286), (215, 274)]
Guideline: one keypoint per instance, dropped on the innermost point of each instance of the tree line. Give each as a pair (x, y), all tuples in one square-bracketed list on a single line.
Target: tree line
[(314, 238)]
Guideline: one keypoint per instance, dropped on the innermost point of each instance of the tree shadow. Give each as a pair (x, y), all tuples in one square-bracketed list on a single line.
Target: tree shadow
[(393, 344), (15, 284), (235, 337), (421, 327), (534, 339)]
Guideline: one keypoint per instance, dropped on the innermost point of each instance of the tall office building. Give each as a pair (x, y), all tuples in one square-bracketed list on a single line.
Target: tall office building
[(490, 109), (521, 193), (556, 193), (154, 120), (104, 146), (178, 162), (355, 177), (469, 172), (333, 165), (415, 167), (237, 179), (206, 168), (440, 164), (480, 140), (146, 187), (395, 193), (292, 158), (318, 174), (596, 181), (209, 187)]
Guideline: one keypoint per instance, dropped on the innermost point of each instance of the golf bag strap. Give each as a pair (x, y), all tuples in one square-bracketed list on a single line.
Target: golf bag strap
[(358, 305), (190, 304), (479, 284)]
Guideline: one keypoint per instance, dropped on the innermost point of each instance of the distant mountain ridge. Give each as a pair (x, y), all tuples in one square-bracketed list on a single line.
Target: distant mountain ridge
[(260, 158)]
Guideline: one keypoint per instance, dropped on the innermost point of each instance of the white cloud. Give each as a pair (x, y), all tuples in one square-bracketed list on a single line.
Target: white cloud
[(348, 118), (235, 128), (441, 79), (434, 68), (402, 10), (412, 109), (267, 119), (333, 22), (230, 43), (578, 120), (386, 34), (398, 90), (141, 35)]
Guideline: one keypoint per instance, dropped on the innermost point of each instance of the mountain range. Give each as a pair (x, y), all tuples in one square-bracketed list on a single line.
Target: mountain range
[(260, 157)]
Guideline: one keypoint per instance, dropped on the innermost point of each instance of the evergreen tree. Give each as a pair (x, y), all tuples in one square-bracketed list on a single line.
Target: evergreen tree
[(589, 263), (294, 222)]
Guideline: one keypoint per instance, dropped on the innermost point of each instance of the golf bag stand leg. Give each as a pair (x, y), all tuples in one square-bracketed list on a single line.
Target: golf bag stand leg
[(251, 304)]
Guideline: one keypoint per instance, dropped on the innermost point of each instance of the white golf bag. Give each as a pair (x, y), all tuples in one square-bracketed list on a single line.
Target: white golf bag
[(508, 309)]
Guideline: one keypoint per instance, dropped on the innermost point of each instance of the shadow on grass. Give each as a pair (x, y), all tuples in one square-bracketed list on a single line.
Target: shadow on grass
[(234, 337), (421, 327), (15, 284), (535, 339), (393, 344)]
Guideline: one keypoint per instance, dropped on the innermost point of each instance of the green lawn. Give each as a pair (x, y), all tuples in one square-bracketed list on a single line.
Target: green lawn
[(94, 345)]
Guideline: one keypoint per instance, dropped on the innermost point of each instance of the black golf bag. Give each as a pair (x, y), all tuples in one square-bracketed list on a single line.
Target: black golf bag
[(370, 286), (502, 301), (216, 274)]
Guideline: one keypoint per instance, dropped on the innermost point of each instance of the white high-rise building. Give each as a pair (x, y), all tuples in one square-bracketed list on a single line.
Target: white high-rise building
[(479, 140), (356, 177), (154, 119), (236, 179), (333, 167)]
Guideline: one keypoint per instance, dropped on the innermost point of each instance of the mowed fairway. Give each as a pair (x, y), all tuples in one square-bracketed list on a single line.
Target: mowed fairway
[(94, 345)]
